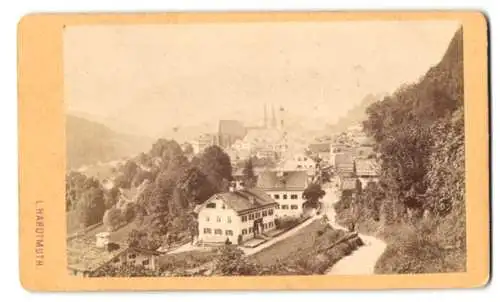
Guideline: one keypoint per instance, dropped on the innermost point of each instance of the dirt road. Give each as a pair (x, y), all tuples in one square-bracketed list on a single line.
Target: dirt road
[(363, 260)]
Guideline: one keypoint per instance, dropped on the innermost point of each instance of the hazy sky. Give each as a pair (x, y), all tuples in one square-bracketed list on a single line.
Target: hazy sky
[(154, 77)]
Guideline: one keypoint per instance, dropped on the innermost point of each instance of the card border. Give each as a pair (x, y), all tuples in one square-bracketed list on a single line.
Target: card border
[(41, 124)]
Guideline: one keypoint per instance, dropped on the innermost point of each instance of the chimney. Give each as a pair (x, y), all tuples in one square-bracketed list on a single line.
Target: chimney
[(102, 239), (253, 200)]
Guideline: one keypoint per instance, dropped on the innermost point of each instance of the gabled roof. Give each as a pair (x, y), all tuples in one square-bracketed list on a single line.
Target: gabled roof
[(349, 183), (343, 159), (344, 164), (367, 167), (290, 180), (83, 255), (319, 147), (242, 200)]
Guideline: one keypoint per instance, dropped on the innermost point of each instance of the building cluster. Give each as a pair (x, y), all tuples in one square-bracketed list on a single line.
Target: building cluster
[(270, 140), (351, 157), (248, 212), (243, 213), (90, 252)]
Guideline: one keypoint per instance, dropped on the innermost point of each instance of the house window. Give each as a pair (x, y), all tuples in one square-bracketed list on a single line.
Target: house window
[(251, 216), (244, 231), (257, 215), (277, 207), (264, 213), (284, 207), (244, 218), (250, 230), (229, 233), (271, 212), (229, 219), (145, 262), (294, 207), (207, 231), (207, 218), (218, 232), (218, 219), (264, 226), (211, 205), (276, 196), (131, 256), (299, 166), (271, 224), (285, 196), (293, 196)]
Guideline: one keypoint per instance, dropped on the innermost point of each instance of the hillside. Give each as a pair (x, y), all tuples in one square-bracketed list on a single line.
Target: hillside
[(418, 205), (89, 142)]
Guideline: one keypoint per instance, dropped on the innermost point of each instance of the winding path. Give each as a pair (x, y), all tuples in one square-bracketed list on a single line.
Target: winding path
[(362, 261)]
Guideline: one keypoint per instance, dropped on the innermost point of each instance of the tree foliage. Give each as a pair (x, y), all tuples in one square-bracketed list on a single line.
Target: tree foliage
[(90, 206), (249, 177), (75, 185), (216, 165), (231, 261), (127, 270), (419, 135), (112, 219), (312, 194), (111, 197)]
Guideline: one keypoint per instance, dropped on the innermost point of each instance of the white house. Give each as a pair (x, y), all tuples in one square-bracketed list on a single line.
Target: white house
[(237, 215), (286, 188)]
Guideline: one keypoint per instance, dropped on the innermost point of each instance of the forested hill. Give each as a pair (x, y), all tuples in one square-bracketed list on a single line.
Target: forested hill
[(419, 202), (88, 142)]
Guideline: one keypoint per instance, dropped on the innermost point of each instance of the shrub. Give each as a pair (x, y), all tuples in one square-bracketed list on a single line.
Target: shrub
[(231, 262), (129, 212), (112, 219), (286, 223)]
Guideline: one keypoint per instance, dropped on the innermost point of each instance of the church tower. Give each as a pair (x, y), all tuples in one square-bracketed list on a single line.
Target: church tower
[(273, 121), (265, 116), (282, 117)]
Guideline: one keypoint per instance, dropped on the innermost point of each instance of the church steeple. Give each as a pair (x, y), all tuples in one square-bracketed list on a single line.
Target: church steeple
[(282, 121), (273, 120), (265, 116)]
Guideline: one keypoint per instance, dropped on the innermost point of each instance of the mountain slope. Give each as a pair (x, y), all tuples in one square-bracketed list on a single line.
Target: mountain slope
[(356, 115), (89, 142)]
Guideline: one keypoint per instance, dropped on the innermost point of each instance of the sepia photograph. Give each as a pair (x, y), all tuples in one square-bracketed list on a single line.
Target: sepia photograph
[(264, 149)]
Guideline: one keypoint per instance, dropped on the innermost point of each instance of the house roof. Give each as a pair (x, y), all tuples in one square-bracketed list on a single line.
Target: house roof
[(319, 147), (344, 164), (291, 180), (238, 172), (367, 167), (343, 159), (349, 183), (243, 200), (84, 255)]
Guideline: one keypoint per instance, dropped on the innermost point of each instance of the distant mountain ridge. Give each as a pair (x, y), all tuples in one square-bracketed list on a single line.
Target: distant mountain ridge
[(356, 115), (89, 142)]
